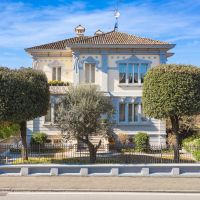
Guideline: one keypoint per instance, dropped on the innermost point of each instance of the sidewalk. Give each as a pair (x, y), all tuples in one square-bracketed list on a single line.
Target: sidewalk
[(104, 184)]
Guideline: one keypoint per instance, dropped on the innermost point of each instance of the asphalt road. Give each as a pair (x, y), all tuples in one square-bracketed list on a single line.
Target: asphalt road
[(97, 196)]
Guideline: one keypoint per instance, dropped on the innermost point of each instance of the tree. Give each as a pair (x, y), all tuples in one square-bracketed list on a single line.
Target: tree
[(85, 112), (172, 91), (24, 95)]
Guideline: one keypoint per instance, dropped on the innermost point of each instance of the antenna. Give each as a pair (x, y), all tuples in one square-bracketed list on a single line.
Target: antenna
[(117, 15)]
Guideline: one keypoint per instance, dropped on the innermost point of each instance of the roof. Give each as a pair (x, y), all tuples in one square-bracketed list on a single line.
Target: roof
[(118, 38), (109, 38), (59, 45)]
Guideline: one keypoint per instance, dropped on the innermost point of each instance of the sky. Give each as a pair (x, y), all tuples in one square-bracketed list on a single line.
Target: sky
[(26, 23)]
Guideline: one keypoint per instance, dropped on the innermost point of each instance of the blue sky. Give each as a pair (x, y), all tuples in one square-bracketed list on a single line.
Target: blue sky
[(25, 23)]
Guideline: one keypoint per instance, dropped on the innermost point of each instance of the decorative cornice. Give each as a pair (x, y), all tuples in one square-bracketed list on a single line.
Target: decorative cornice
[(90, 60), (133, 59), (147, 46), (55, 63)]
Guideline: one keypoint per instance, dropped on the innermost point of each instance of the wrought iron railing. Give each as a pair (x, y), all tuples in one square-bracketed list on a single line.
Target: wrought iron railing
[(65, 154)]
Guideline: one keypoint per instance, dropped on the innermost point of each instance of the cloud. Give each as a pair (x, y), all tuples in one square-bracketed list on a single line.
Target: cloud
[(24, 25)]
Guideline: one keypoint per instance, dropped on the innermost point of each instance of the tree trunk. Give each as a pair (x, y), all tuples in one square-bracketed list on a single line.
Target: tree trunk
[(23, 139), (92, 148), (175, 131), (93, 153)]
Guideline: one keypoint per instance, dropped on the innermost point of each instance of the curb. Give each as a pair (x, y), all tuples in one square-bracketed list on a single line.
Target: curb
[(95, 190)]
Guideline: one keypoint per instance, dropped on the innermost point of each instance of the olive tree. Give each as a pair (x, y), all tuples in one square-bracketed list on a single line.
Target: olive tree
[(24, 95), (172, 91), (85, 112)]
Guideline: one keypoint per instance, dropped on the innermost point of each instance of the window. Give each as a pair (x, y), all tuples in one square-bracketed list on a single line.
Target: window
[(48, 115), (143, 71), (130, 112), (136, 112), (132, 73), (136, 68), (56, 108), (90, 73), (52, 114), (122, 112), (122, 73), (56, 73)]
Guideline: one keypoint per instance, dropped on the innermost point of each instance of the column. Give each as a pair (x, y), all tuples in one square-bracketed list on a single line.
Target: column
[(139, 112)]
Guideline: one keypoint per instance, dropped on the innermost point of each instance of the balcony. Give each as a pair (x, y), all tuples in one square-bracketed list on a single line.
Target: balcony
[(58, 87)]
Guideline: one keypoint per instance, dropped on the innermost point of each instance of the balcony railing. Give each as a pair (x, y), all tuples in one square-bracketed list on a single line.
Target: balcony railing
[(56, 89)]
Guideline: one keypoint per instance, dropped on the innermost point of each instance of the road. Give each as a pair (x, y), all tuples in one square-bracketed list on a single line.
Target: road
[(97, 196)]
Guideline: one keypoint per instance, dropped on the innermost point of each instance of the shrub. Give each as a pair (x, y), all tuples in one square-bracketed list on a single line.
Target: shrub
[(123, 138), (190, 143), (141, 141), (38, 138), (8, 129), (58, 83), (196, 154)]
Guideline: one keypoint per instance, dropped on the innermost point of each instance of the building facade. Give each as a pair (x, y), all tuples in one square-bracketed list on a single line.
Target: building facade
[(116, 63)]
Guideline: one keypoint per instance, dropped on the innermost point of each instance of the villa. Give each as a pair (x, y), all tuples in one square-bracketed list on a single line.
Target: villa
[(116, 63)]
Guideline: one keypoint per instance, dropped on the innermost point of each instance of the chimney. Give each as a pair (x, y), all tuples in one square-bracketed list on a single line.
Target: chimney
[(80, 30), (98, 32)]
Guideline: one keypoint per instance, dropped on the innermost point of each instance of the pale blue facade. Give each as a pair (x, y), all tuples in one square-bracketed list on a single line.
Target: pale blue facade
[(118, 71)]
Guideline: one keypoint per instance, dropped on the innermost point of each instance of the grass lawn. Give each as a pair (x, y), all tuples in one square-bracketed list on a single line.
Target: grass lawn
[(121, 159)]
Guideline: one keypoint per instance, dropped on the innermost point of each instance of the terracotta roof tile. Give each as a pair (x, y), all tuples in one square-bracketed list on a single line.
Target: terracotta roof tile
[(59, 45), (109, 38), (119, 38)]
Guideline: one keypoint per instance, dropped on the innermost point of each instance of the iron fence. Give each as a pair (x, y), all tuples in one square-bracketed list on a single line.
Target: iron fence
[(65, 154)]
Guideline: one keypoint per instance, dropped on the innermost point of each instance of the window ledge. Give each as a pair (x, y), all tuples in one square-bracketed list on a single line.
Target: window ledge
[(130, 85), (50, 124), (145, 123), (47, 124)]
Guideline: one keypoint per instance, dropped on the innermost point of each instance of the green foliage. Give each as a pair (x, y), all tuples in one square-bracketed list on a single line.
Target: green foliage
[(80, 115), (58, 83), (196, 154), (192, 144), (8, 129), (81, 110), (38, 138), (141, 141), (24, 94), (172, 90)]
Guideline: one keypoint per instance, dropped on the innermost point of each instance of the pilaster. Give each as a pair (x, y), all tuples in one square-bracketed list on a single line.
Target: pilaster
[(104, 84)]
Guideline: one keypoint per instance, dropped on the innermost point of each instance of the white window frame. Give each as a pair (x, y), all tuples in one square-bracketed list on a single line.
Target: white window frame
[(90, 73), (126, 121), (57, 77), (133, 71), (52, 113)]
